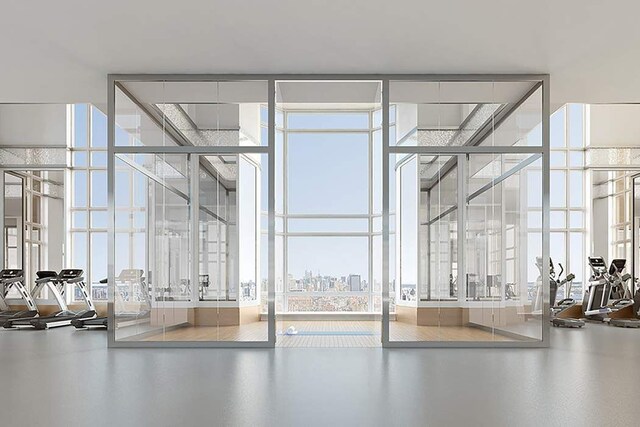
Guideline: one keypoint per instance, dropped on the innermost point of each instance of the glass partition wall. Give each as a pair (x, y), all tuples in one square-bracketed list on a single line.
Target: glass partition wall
[(405, 202), (188, 164), (466, 163)]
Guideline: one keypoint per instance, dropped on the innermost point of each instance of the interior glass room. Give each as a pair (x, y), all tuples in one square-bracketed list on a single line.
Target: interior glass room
[(327, 212)]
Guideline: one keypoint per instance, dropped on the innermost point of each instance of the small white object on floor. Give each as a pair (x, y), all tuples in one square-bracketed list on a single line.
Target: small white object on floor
[(291, 330)]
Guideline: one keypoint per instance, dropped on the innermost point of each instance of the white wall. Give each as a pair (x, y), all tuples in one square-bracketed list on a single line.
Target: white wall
[(33, 124), (599, 229), (615, 125)]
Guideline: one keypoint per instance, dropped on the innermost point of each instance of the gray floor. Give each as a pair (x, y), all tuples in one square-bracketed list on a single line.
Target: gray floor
[(65, 377)]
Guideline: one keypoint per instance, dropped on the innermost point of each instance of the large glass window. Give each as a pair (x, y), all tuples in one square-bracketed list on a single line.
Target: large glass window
[(567, 195), (328, 211), (88, 207)]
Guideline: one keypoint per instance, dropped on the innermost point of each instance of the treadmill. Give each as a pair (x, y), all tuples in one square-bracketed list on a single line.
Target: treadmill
[(73, 276), (131, 278), (91, 323), (43, 278), (15, 278)]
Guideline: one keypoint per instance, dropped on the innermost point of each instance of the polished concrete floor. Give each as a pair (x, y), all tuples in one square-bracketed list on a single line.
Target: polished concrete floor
[(66, 377)]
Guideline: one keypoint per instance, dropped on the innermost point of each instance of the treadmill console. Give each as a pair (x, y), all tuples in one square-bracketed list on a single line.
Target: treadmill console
[(46, 274), (597, 264), (131, 275), (10, 273), (617, 265), (69, 274)]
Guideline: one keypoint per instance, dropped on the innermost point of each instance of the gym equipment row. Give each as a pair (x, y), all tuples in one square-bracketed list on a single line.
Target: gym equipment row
[(57, 283), (608, 299)]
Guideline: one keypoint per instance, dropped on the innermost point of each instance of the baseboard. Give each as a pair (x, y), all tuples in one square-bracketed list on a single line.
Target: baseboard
[(153, 332), (500, 332), (346, 316)]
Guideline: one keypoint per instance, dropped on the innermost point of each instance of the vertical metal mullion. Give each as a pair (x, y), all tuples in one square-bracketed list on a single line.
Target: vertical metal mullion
[(194, 166), (271, 291), (4, 237), (428, 239), (417, 225), (385, 213), (546, 175), (87, 207), (110, 204), (462, 222), (285, 208), (503, 237), (370, 221)]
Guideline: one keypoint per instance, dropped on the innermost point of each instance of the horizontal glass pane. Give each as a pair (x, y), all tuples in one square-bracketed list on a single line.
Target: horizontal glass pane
[(327, 121), (534, 189), (576, 125), (558, 129), (558, 189), (99, 219), (228, 113), (79, 251), (79, 158), (558, 219), (577, 266), (79, 219), (558, 158), (99, 159), (80, 125), (98, 188), (576, 159), (306, 225), (558, 249), (328, 173), (534, 219), (98, 265), (457, 113), (576, 219), (576, 181), (328, 264), (98, 128), (79, 181)]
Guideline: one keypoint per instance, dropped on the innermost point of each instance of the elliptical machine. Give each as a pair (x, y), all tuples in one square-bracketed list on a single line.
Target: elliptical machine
[(564, 304), (596, 296), (623, 298)]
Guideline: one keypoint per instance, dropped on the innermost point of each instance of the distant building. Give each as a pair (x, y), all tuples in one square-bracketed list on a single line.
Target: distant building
[(354, 283)]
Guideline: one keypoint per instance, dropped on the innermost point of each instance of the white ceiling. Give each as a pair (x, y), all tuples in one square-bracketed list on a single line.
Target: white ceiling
[(61, 51)]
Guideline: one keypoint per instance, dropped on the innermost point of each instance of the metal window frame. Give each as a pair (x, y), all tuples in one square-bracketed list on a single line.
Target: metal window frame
[(269, 149)]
